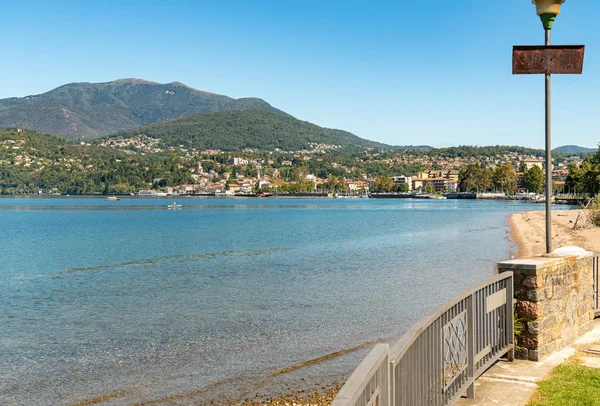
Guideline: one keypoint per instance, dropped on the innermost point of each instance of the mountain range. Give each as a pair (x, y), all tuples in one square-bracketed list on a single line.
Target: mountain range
[(176, 113), (92, 110), (574, 149)]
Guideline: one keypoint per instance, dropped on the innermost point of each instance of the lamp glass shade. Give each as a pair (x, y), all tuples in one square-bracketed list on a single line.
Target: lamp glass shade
[(548, 6)]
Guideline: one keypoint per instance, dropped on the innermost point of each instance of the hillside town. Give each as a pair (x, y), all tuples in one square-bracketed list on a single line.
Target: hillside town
[(280, 171), (162, 170)]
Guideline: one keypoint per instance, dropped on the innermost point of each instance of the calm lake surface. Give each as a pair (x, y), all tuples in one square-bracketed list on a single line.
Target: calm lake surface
[(98, 297)]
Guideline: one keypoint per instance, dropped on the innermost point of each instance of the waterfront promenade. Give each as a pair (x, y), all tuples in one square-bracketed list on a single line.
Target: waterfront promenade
[(513, 383)]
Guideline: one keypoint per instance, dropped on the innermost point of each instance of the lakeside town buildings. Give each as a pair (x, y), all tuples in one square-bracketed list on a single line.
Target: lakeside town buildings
[(219, 171)]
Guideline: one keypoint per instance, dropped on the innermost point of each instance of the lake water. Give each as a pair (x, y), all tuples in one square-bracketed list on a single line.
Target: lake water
[(101, 297)]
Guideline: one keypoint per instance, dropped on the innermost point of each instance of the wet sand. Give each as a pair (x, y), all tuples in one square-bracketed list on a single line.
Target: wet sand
[(529, 232)]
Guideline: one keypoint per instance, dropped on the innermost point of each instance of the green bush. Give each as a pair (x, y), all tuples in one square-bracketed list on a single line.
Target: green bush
[(594, 210), (519, 327)]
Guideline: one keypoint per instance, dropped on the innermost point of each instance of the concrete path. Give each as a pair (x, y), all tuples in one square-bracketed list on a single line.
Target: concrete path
[(513, 383)]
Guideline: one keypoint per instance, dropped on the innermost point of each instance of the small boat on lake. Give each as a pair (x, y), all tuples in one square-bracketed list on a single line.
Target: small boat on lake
[(112, 198), (174, 206)]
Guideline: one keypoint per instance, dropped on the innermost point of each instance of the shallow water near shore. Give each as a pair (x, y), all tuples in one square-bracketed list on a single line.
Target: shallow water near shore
[(145, 303)]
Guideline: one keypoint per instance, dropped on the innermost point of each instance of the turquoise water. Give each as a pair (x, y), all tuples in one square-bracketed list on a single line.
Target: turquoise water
[(98, 297)]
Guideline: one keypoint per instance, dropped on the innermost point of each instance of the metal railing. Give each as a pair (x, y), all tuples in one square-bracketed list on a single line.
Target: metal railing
[(369, 383), (596, 276), (438, 360)]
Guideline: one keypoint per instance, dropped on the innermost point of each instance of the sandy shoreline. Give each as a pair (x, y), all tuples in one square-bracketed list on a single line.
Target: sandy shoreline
[(528, 231)]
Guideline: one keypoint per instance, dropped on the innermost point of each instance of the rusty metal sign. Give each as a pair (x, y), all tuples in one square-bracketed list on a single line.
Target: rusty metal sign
[(551, 59)]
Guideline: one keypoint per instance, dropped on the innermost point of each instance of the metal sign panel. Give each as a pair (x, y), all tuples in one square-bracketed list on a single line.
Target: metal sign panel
[(551, 59), (494, 301)]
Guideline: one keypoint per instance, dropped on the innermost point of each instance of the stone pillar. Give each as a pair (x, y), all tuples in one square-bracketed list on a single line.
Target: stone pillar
[(554, 300)]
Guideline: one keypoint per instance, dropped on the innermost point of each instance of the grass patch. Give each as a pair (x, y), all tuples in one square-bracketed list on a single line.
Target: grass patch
[(569, 384)]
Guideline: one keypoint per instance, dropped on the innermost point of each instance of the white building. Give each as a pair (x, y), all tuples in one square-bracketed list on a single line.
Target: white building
[(398, 180), (238, 161), (452, 186)]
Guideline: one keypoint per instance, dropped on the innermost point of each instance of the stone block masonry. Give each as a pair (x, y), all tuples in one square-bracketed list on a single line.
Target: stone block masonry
[(554, 299)]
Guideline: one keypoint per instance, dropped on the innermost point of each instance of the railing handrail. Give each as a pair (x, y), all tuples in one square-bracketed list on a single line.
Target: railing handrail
[(408, 338), (442, 355), (596, 283), (361, 376)]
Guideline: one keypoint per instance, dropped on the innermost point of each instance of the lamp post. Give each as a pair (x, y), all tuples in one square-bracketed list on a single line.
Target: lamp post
[(548, 60), (548, 10)]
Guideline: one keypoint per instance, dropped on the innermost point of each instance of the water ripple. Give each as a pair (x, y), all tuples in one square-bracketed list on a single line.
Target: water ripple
[(181, 258)]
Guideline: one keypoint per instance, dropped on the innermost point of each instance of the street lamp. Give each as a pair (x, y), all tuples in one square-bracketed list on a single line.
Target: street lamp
[(548, 60), (548, 10)]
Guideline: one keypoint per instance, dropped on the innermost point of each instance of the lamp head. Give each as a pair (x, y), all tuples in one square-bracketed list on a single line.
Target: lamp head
[(547, 10)]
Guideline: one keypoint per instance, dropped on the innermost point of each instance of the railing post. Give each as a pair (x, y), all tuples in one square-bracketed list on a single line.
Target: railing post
[(596, 283), (385, 384), (471, 347), (510, 314)]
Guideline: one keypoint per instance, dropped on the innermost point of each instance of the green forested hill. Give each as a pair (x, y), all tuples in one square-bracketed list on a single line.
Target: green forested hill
[(91, 110), (573, 149), (236, 130), (30, 161)]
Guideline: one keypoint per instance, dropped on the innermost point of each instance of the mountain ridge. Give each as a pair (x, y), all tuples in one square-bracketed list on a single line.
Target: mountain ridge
[(234, 130), (573, 149), (85, 110)]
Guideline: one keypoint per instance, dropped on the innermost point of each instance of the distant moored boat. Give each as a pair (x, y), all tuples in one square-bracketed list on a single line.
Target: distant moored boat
[(224, 193), (173, 206)]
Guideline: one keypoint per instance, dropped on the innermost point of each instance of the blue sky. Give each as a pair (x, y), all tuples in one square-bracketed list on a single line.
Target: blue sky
[(420, 72)]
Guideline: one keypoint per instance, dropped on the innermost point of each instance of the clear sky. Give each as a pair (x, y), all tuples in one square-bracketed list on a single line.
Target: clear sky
[(402, 72)]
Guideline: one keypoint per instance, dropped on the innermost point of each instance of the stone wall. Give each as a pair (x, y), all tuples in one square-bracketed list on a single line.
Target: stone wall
[(554, 299)]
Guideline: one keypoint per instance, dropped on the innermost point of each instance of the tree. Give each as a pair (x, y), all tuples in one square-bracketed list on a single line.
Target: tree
[(299, 173), (334, 183), (429, 188), (590, 176), (586, 178), (401, 188), (591, 180), (383, 184), (466, 178), (573, 182), (483, 179), (533, 179), (474, 178), (505, 178), (286, 173), (556, 188)]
